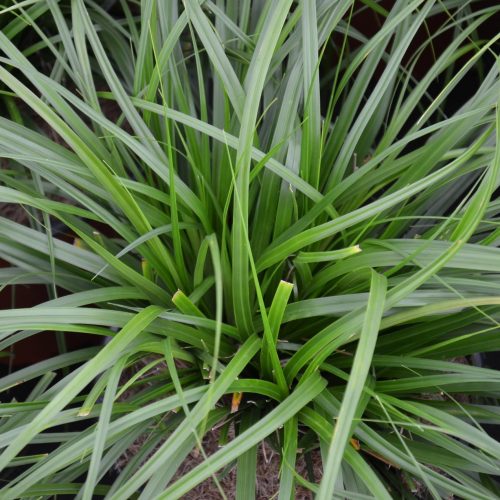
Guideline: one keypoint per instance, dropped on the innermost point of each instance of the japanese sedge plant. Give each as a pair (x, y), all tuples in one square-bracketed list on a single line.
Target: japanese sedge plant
[(278, 210)]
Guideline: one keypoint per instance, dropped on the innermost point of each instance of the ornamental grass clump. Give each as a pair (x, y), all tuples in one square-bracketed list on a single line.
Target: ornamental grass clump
[(295, 219)]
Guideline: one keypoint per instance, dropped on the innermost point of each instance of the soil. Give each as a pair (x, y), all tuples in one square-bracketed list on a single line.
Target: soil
[(268, 460)]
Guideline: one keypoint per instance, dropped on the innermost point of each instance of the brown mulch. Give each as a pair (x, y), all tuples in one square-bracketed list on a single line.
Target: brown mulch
[(267, 476), (268, 460)]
